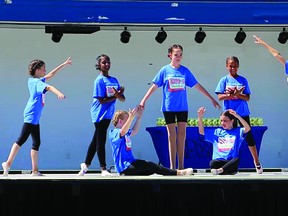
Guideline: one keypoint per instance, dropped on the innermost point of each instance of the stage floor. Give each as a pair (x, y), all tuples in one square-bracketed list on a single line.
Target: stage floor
[(72, 175), (246, 193)]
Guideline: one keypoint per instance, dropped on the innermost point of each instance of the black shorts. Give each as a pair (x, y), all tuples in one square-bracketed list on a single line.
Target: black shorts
[(173, 117)]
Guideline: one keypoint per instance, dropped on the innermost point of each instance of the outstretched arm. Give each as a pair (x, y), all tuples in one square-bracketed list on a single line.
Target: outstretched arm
[(55, 70), (200, 114), (150, 91), (273, 51), (59, 94), (131, 115), (200, 88), (137, 123)]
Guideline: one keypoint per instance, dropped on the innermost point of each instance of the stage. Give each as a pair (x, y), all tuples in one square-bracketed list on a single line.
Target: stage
[(64, 192)]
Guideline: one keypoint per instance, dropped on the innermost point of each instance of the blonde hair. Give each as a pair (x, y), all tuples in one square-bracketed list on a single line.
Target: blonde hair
[(119, 114)]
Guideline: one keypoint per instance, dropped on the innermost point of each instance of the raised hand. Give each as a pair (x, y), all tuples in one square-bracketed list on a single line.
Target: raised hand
[(201, 111)]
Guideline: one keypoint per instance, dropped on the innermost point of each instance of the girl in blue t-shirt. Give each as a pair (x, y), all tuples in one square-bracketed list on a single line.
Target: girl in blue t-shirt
[(233, 89), (106, 92), (226, 141), (174, 79), (37, 88), (121, 144)]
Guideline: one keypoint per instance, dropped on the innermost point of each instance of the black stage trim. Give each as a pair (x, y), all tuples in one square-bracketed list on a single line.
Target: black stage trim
[(245, 193)]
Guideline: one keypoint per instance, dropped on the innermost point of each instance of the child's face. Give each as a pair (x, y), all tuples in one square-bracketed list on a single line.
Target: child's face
[(124, 120), (40, 72), (226, 123), (232, 67), (176, 55), (105, 64)]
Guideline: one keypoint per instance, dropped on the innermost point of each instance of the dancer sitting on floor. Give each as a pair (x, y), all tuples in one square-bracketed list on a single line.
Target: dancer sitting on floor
[(125, 163), (226, 141)]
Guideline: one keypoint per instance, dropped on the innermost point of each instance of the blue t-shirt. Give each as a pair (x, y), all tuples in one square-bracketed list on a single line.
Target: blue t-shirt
[(286, 67), (228, 82), (121, 149), (103, 87), (226, 143), (174, 82), (35, 104)]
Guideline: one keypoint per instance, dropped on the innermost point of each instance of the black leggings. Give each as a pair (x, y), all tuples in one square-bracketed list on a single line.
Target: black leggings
[(28, 129), (98, 143), (144, 167), (230, 167), (249, 137)]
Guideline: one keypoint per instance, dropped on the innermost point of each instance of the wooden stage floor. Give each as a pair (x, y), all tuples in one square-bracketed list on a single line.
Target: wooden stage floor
[(245, 193)]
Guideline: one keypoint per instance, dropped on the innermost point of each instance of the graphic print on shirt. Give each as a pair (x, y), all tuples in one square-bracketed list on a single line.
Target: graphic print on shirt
[(110, 91), (128, 143), (226, 143), (176, 84)]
